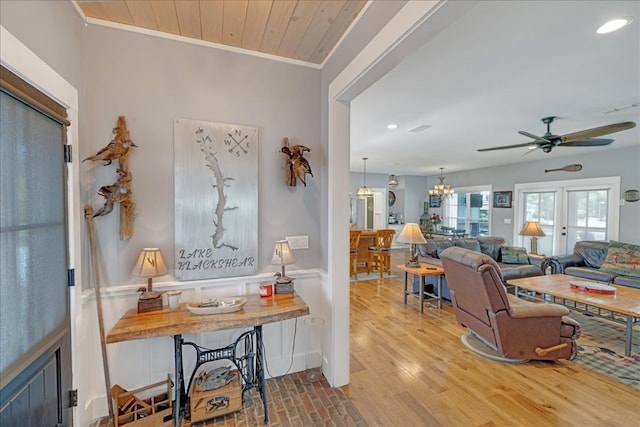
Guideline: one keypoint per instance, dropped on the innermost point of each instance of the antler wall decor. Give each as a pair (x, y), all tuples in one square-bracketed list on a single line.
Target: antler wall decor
[(120, 191), (297, 166)]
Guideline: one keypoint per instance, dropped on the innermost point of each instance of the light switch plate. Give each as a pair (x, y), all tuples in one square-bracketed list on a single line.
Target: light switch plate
[(298, 242), (507, 220)]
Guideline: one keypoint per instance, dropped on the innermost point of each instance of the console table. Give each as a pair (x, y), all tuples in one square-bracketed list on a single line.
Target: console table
[(175, 322)]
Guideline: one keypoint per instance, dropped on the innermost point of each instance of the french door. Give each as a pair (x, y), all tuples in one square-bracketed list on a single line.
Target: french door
[(568, 211)]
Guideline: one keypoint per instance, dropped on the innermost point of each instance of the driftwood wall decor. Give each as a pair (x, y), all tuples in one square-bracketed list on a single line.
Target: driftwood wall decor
[(296, 167), (120, 191), (216, 199)]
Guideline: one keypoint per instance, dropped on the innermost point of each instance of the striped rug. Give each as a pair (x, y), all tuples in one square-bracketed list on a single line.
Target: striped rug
[(601, 349)]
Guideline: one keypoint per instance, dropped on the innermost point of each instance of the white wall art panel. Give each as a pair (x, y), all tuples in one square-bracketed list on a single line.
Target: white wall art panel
[(216, 199)]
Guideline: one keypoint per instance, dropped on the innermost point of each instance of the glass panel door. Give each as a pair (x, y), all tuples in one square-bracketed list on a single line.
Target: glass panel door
[(541, 207), (587, 216)]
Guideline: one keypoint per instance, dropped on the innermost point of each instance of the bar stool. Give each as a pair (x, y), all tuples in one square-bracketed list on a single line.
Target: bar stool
[(354, 241), (380, 254)]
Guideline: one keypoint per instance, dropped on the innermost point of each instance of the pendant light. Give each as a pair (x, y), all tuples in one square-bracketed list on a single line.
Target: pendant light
[(441, 190), (393, 182), (364, 191)]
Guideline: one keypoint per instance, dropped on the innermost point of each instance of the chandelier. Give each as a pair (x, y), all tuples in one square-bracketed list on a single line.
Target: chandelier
[(441, 190), (364, 191)]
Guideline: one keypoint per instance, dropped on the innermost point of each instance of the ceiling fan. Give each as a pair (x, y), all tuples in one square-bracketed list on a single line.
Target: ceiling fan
[(583, 138)]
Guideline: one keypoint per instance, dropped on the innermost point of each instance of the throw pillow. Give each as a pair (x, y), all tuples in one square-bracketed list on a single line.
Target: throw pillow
[(514, 255), (623, 259), (471, 244), (593, 253), (491, 246), (432, 246)]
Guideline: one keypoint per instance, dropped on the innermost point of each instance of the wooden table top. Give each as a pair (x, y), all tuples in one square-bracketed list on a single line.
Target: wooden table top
[(424, 269), (257, 311), (626, 300)]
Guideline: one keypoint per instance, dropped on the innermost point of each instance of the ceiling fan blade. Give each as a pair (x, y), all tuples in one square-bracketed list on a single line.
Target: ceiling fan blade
[(505, 147), (599, 131), (532, 150), (530, 135), (590, 142)]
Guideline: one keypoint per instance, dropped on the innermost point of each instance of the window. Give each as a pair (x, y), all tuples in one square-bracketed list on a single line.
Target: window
[(469, 210)]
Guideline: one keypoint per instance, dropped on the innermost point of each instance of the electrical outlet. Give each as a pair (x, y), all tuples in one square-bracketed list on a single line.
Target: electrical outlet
[(298, 242)]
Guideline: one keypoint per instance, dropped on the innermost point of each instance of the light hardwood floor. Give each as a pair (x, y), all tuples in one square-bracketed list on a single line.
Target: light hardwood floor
[(410, 369)]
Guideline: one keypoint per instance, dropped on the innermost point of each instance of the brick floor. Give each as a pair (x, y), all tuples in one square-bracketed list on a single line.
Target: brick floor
[(294, 401)]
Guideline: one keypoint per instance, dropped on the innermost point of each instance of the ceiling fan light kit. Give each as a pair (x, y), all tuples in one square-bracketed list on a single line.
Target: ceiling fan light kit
[(583, 138), (614, 25)]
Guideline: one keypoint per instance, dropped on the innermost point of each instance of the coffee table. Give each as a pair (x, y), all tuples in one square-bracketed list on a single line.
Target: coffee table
[(423, 271), (625, 302)]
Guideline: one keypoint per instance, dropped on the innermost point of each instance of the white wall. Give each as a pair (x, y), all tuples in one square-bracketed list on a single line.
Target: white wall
[(52, 30), (152, 81)]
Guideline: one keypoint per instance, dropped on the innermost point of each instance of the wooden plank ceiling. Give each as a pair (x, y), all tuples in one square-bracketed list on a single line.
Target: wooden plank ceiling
[(306, 30)]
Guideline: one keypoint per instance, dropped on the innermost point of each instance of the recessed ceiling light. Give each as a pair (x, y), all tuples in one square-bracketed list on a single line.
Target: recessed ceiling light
[(622, 108), (420, 128), (392, 126), (613, 25)]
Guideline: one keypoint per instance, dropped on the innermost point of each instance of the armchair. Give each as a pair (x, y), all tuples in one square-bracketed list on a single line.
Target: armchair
[(514, 328)]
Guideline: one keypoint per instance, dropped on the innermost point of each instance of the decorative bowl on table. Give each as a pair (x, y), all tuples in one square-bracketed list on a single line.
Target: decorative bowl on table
[(217, 305), (593, 287)]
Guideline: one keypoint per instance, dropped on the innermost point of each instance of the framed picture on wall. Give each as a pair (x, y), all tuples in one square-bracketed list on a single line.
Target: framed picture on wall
[(434, 201), (502, 199)]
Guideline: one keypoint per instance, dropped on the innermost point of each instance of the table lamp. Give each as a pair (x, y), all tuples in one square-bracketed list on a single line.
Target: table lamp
[(282, 256), (532, 229), (150, 264), (411, 234)]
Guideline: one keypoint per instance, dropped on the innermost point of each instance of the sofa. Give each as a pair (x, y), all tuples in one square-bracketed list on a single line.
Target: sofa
[(608, 262), (514, 262)]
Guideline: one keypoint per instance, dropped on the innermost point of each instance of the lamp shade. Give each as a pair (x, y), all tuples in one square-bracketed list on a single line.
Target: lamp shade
[(411, 234), (149, 264), (364, 192), (282, 254), (532, 229)]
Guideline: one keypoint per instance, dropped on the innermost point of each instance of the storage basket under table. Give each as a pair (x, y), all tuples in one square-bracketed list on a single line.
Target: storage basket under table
[(207, 404), (149, 406)]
